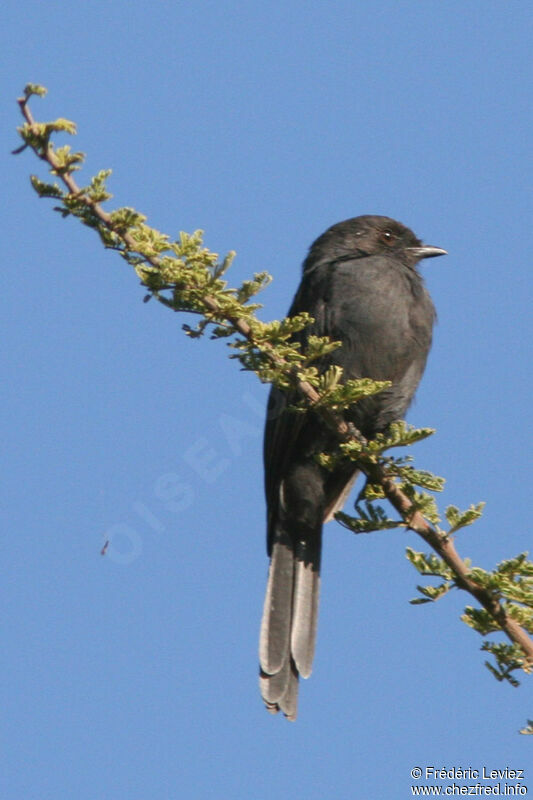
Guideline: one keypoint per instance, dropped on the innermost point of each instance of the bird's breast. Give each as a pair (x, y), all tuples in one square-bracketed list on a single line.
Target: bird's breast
[(382, 315)]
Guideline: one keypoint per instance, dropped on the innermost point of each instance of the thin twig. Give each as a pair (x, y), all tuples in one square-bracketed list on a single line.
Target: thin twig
[(445, 548)]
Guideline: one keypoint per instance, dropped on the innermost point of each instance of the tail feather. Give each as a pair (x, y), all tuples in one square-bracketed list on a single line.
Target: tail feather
[(289, 624), (274, 687), (304, 615), (280, 691), (276, 623)]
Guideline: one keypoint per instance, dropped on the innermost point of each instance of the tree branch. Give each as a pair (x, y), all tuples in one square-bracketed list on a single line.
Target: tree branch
[(376, 472)]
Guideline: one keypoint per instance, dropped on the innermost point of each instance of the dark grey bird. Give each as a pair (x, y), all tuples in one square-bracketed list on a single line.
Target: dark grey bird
[(362, 287)]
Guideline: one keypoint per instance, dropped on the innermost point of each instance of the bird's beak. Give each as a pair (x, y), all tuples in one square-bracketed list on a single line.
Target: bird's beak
[(427, 251)]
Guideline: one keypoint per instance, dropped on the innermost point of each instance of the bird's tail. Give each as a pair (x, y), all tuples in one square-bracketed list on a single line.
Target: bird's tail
[(289, 624)]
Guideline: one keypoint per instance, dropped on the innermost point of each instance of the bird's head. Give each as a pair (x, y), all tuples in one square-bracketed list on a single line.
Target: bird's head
[(369, 235)]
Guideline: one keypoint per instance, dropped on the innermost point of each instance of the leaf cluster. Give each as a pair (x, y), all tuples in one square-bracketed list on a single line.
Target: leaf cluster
[(510, 583)]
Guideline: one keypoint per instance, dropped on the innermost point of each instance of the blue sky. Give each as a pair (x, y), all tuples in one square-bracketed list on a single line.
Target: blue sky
[(134, 675)]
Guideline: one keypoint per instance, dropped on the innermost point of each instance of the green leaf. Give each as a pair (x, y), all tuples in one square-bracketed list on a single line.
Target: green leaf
[(509, 658), (375, 519), (429, 564), (518, 565), (60, 125), (418, 477), (502, 675), (319, 346), (431, 593), (125, 218), (249, 289), (459, 519), (372, 491), (67, 162), (34, 88), (338, 395), (46, 189), (400, 434), (97, 191), (480, 620)]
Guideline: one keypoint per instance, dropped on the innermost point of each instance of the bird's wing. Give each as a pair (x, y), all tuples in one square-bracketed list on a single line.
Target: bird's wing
[(284, 426)]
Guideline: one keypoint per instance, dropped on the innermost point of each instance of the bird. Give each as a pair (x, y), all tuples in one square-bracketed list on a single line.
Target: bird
[(362, 287)]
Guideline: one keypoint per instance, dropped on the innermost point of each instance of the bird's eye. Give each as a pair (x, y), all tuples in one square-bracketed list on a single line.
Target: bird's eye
[(387, 236)]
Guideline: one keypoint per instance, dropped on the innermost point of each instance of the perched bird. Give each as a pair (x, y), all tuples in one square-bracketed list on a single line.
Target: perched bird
[(362, 287)]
